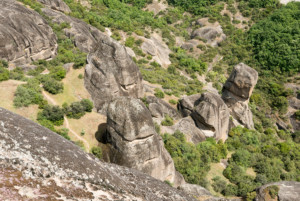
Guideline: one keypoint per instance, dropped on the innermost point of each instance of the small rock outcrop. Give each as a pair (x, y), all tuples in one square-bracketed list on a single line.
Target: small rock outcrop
[(287, 191), (131, 132), (209, 112), (59, 5), (212, 34), (111, 73), (24, 35), (187, 126), (237, 91), (160, 108), (45, 166), (211, 115)]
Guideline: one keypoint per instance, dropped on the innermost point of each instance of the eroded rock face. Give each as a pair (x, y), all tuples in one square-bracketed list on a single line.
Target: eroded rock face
[(186, 105), (59, 5), (24, 34), (237, 91), (111, 73), (160, 108), (288, 191), (45, 165), (211, 115), (85, 37), (187, 126), (136, 144)]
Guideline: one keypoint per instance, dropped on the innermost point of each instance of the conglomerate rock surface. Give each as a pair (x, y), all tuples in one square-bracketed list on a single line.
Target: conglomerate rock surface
[(24, 35), (36, 163), (136, 144)]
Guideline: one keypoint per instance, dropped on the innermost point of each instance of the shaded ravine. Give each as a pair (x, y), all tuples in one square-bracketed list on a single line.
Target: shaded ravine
[(87, 145)]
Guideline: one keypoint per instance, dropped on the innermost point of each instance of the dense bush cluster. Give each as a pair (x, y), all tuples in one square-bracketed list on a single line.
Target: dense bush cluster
[(78, 109), (276, 39), (271, 159), (193, 161)]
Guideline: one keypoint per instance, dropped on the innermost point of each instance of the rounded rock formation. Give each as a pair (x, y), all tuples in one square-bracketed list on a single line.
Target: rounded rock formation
[(131, 132), (59, 5), (237, 91), (211, 115)]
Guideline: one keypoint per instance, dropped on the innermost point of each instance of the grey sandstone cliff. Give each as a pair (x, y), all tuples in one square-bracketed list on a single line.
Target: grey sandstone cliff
[(111, 73), (237, 91), (44, 166), (135, 143), (24, 35)]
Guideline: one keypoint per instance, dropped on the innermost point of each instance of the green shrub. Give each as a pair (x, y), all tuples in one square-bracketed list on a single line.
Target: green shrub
[(159, 93), (129, 41), (97, 151), (273, 191), (27, 94), (53, 86), (218, 185), (168, 121), (173, 102), (64, 133), (52, 113), (4, 74)]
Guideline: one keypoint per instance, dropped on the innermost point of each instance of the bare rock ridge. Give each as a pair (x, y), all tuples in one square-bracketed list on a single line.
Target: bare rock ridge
[(287, 191), (43, 158), (136, 144), (24, 34), (237, 91), (59, 5), (111, 73)]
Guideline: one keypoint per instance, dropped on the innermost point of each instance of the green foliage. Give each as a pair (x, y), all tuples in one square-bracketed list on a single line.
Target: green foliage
[(173, 102), (271, 160), (78, 109), (168, 121), (52, 86), (193, 161), (159, 93), (181, 60), (273, 191), (297, 115), (218, 185), (129, 41), (194, 6), (52, 113), (276, 39), (64, 133), (4, 74), (97, 151), (27, 94)]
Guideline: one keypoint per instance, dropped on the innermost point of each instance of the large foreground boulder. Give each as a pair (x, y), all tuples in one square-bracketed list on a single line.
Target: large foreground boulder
[(24, 35), (111, 73), (135, 143), (237, 91), (37, 164), (285, 190)]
